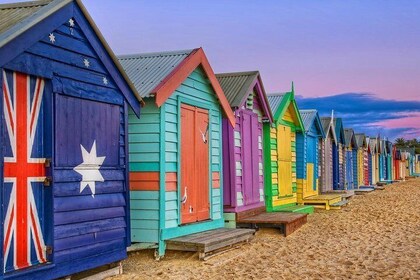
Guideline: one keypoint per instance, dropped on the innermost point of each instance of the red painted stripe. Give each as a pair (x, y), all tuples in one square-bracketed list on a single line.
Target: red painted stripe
[(37, 239), (171, 182), (21, 182)]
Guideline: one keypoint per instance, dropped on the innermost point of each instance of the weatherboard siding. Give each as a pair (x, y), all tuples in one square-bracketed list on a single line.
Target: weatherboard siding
[(143, 140), (237, 203), (86, 231), (145, 157), (355, 169)]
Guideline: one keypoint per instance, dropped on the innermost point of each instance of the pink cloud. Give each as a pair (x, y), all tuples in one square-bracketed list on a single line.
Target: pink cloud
[(412, 120)]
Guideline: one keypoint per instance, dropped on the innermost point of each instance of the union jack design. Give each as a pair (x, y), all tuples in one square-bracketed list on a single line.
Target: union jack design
[(23, 242)]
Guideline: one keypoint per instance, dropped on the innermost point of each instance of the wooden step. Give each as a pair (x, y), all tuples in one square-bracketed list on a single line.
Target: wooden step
[(304, 209), (347, 195), (367, 187), (339, 204), (286, 222), (209, 242), (364, 190), (322, 201), (250, 212)]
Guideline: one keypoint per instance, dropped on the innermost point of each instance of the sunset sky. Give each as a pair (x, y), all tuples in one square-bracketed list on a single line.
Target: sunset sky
[(360, 58)]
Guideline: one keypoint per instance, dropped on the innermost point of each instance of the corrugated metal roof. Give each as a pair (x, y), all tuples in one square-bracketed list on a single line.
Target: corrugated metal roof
[(275, 99), (359, 139), (308, 117), (236, 85), (326, 121), (147, 71), (348, 135), (11, 14), (372, 143)]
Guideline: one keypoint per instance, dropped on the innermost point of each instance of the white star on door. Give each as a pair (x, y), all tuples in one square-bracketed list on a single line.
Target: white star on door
[(89, 169)]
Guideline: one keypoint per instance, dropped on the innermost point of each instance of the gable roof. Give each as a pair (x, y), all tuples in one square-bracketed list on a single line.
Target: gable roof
[(17, 18), (160, 74), (373, 144), (339, 130), (311, 117), (148, 70), (13, 13), (279, 103), (238, 85), (328, 125), (361, 140), (275, 100), (349, 137)]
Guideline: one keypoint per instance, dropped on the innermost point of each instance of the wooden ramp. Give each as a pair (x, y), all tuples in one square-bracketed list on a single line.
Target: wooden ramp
[(323, 201), (210, 242), (338, 205), (287, 222), (364, 190), (302, 209)]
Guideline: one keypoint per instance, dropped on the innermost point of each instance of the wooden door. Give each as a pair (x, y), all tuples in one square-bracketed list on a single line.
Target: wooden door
[(250, 170), (27, 136), (329, 164), (349, 169), (284, 151), (310, 178), (194, 131), (311, 149)]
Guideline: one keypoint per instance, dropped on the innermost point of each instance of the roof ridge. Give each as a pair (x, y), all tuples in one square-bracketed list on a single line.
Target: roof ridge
[(154, 54), (237, 74), (16, 5), (276, 94)]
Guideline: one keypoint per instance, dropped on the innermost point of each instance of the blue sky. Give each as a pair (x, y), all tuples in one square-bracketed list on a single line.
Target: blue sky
[(328, 48), (367, 113)]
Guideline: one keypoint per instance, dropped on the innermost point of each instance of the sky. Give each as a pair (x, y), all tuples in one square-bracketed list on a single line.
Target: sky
[(358, 58)]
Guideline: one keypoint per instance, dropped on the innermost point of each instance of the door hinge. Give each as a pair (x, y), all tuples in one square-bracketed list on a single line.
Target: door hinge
[(47, 181), (49, 250), (47, 162)]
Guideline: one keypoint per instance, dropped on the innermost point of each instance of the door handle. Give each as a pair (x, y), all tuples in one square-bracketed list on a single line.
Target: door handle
[(185, 197)]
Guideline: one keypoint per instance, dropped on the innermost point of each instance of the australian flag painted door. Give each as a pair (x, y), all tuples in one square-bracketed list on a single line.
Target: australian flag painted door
[(26, 145)]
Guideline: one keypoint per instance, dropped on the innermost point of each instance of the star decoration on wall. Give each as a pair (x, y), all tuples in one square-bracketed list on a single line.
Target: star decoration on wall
[(86, 62), (105, 80), (71, 22), (52, 38), (89, 169)]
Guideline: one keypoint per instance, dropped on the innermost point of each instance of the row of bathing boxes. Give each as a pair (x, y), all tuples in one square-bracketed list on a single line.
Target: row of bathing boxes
[(154, 150)]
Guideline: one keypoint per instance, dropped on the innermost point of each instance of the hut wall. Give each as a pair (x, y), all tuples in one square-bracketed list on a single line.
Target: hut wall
[(144, 166), (196, 88), (301, 165), (236, 197), (349, 169), (365, 167), (280, 181), (155, 164), (356, 170), (327, 172), (85, 232)]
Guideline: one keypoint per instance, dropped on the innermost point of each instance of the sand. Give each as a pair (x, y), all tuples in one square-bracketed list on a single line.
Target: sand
[(377, 236)]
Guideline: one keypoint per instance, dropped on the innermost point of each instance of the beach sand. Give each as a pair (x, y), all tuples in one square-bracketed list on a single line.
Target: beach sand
[(377, 236)]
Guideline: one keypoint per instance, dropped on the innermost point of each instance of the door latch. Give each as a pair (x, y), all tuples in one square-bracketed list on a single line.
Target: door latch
[(47, 181)]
